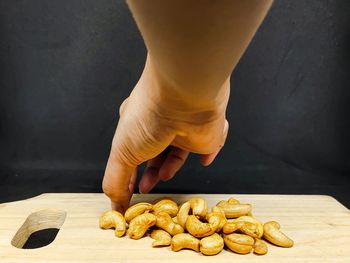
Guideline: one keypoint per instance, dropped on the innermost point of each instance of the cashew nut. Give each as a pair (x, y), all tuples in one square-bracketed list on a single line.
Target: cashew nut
[(217, 220), (244, 227), (275, 236), (135, 210), (184, 240), (114, 219), (232, 226), (259, 225), (199, 229), (260, 247), (162, 238), (175, 219), (233, 201), (218, 209), (229, 223), (165, 222), (233, 210), (199, 207), (211, 245), (239, 243), (167, 206), (249, 229), (140, 224), (182, 215), (221, 214), (221, 203)]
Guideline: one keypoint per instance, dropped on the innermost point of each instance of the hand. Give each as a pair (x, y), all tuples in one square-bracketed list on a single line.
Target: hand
[(155, 127)]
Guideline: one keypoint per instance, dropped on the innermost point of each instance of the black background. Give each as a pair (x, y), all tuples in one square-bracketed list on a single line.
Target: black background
[(65, 67)]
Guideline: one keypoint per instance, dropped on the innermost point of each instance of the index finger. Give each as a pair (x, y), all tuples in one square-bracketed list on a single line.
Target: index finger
[(116, 182)]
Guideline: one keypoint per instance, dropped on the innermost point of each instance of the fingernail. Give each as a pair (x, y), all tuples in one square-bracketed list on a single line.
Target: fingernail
[(168, 174), (142, 191)]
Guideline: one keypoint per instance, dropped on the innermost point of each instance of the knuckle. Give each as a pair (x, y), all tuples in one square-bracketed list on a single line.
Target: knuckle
[(107, 189), (122, 106), (177, 157), (124, 154), (136, 141)]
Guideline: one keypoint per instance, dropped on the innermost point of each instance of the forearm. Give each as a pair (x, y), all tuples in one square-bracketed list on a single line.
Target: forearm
[(194, 45)]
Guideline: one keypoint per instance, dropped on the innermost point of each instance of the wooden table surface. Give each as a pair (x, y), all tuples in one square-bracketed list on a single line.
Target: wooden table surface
[(319, 226)]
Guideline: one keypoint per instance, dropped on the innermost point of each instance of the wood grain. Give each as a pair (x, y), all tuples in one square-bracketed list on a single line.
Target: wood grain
[(319, 225)]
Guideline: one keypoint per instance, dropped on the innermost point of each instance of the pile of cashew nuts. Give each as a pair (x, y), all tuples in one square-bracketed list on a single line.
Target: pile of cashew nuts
[(191, 226)]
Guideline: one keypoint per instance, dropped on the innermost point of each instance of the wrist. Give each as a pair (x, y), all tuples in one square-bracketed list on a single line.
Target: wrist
[(170, 100)]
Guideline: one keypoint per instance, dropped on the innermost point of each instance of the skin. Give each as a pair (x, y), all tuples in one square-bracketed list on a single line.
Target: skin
[(178, 105)]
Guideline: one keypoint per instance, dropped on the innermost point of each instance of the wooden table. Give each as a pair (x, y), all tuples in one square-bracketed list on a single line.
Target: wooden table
[(319, 225)]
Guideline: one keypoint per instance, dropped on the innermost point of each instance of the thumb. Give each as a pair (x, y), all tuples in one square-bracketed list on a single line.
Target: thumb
[(207, 159)]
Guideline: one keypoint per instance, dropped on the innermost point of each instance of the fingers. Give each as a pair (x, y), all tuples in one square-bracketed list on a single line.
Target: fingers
[(116, 182), (151, 175), (163, 167), (207, 159), (133, 181), (173, 162), (122, 106), (225, 132), (134, 142), (140, 136)]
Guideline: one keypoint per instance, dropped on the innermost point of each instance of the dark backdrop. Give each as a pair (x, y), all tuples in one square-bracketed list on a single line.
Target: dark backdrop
[(65, 67)]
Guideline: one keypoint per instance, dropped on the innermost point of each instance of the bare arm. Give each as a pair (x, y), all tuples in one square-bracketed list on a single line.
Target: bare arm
[(194, 45), (178, 105)]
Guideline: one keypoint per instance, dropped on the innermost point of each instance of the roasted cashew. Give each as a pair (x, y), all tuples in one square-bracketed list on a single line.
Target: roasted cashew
[(260, 247), (199, 229), (233, 201), (165, 222), (229, 223), (175, 219), (182, 215), (211, 245), (199, 207), (140, 224), (162, 238), (239, 243), (114, 219), (218, 209), (220, 213), (167, 206), (275, 236), (233, 210), (259, 225), (221, 203), (184, 240), (232, 226), (249, 229), (244, 227), (135, 210)]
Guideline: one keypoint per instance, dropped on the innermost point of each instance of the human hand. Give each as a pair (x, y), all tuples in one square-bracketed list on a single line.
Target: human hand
[(155, 126)]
